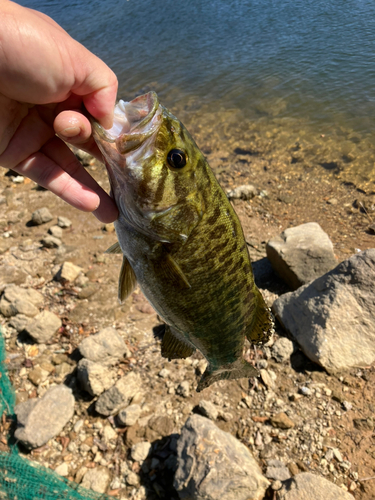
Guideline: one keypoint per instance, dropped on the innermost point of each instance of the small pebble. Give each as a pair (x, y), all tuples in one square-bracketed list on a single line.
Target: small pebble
[(63, 222)]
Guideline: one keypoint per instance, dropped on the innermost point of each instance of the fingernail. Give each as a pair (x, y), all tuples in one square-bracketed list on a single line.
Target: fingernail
[(70, 131)]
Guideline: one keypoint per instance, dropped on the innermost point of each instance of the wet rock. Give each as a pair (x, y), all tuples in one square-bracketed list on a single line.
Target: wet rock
[(277, 470), (129, 415), (282, 349), (41, 216), (104, 346), (208, 409), (68, 272), (51, 242), (140, 451), (56, 231), (63, 222), (120, 395), (212, 464), (97, 479), (43, 327), (306, 486), (245, 192), (332, 318), (95, 378), (282, 421), (301, 254), (39, 420)]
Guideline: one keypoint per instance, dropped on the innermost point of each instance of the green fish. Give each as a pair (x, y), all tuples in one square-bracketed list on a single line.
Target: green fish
[(181, 240)]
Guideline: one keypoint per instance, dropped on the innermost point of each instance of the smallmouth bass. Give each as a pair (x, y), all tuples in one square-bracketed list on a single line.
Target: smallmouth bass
[(181, 240)]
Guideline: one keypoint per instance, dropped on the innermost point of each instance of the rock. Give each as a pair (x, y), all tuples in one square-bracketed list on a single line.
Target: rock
[(97, 479), (332, 318), (104, 346), (306, 486), (69, 272), (245, 192), (282, 349), (95, 378), (51, 242), (301, 254), (38, 375), (282, 421), (109, 434), (208, 409), (56, 232), (43, 327), (140, 451), (267, 379), (132, 479), (63, 222), (62, 469), (183, 389), (39, 420), (161, 425), (277, 470), (11, 274), (119, 396), (41, 216), (129, 415), (212, 464), (19, 322), (13, 293), (88, 291)]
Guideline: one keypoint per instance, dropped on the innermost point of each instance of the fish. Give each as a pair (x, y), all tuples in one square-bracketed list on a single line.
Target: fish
[(181, 240)]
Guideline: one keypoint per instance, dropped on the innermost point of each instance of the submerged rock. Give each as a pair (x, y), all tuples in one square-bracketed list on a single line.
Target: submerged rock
[(212, 464), (301, 254), (332, 318)]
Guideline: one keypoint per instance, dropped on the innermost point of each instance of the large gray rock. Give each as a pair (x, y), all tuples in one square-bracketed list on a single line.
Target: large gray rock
[(307, 486), (332, 318), (119, 396), (104, 346), (14, 292), (300, 254), (39, 420), (95, 378), (16, 300), (43, 327), (212, 465)]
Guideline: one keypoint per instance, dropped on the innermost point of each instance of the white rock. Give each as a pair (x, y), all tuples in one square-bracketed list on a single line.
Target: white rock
[(140, 451), (62, 469)]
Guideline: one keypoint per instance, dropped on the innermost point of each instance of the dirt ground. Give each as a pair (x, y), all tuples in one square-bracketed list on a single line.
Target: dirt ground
[(290, 194)]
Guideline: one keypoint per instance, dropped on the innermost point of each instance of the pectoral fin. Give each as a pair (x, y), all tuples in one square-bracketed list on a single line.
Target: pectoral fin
[(172, 272), (127, 280), (173, 347), (115, 248)]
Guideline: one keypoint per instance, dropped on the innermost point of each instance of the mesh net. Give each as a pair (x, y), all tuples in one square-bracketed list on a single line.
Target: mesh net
[(22, 479)]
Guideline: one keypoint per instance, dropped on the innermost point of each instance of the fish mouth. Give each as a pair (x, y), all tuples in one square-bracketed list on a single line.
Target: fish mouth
[(133, 123)]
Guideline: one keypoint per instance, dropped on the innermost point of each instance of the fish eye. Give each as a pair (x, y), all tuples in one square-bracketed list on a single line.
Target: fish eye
[(176, 158)]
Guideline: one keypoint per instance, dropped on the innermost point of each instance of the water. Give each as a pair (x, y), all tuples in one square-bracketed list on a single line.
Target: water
[(299, 64)]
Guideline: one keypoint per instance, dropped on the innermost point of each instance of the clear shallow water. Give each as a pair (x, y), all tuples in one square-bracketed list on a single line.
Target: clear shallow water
[(310, 62)]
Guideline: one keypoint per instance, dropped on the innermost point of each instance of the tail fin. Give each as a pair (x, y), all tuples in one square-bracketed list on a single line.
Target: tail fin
[(238, 369)]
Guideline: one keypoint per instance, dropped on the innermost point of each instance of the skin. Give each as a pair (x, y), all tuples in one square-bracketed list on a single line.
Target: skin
[(46, 79)]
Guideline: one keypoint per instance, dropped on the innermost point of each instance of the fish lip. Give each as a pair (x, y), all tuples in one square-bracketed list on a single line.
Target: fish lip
[(136, 130)]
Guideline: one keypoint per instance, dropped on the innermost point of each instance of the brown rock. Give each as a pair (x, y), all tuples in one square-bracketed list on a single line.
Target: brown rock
[(282, 421)]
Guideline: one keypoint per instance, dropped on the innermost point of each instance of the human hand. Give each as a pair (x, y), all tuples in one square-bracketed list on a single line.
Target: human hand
[(46, 79)]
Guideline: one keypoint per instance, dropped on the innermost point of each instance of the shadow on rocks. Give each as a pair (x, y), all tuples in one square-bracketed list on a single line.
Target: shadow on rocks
[(265, 277), (158, 470), (301, 363)]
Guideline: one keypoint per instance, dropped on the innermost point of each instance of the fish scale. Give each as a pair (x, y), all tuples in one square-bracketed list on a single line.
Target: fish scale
[(182, 241)]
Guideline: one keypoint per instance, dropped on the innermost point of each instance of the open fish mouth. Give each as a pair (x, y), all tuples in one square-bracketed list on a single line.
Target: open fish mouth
[(133, 123)]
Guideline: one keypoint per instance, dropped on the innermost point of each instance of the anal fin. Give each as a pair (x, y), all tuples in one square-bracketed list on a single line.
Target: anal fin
[(172, 347), (115, 248), (263, 326), (238, 369), (127, 280)]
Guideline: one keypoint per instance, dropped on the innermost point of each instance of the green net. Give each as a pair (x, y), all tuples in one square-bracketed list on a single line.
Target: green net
[(22, 479)]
